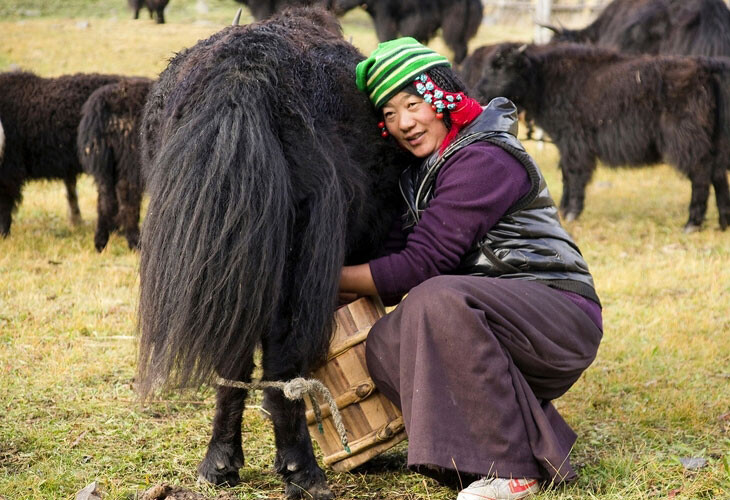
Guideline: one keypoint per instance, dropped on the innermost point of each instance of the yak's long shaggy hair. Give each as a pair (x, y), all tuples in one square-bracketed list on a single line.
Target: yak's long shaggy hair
[(689, 27), (624, 110), (109, 150), (40, 116), (266, 169)]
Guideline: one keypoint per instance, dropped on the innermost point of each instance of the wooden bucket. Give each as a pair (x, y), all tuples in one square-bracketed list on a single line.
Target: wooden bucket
[(373, 423)]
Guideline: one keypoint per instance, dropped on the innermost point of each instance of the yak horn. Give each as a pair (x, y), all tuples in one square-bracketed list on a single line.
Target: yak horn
[(237, 18), (521, 48), (550, 27)]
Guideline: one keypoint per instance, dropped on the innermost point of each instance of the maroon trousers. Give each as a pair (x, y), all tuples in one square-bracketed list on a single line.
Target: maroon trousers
[(473, 363)]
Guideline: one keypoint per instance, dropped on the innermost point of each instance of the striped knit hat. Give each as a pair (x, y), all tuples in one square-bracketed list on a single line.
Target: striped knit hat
[(392, 66)]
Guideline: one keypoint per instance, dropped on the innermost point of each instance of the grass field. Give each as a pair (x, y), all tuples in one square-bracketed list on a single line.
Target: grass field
[(659, 390)]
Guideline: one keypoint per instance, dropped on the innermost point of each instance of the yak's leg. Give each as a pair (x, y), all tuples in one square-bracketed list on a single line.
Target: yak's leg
[(565, 196), (6, 214), (225, 455), (722, 193), (294, 455), (459, 49), (73, 201), (577, 172), (106, 209), (130, 198), (136, 7), (698, 202), (160, 16), (385, 25), (453, 30)]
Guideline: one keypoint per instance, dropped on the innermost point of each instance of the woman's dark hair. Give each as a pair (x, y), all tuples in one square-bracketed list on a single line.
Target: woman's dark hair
[(447, 79)]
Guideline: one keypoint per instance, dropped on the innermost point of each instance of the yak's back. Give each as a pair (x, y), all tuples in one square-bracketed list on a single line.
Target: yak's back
[(41, 116)]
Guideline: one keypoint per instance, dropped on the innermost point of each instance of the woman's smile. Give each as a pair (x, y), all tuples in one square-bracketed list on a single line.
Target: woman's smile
[(413, 124)]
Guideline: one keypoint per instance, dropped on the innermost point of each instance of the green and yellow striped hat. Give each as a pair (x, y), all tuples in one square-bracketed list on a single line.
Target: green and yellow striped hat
[(392, 66)]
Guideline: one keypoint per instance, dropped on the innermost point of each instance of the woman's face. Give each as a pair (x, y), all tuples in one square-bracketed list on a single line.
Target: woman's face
[(412, 122)]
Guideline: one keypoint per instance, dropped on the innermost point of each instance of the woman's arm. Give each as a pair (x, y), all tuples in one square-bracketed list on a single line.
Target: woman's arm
[(473, 190), (357, 280)]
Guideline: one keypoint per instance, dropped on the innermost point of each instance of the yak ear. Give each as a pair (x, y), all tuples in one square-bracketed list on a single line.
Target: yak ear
[(237, 17)]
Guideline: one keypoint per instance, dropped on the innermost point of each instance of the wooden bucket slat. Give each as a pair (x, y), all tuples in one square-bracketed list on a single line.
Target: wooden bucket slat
[(373, 423), (358, 337), (375, 437)]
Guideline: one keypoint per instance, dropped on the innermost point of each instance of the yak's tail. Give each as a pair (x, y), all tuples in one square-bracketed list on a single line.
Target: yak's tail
[(95, 155), (225, 252)]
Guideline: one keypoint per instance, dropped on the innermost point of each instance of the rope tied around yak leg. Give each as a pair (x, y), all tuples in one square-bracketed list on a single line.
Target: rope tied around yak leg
[(295, 389)]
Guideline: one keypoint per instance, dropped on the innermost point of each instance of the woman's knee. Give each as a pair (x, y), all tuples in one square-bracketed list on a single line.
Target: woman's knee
[(436, 297)]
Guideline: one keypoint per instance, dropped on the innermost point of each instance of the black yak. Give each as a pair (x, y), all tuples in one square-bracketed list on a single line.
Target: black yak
[(690, 27), (263, 9), (40, 117), (621, 109), (459, 20), (109, 150), (267, 172), (155, 7), (471, 68)]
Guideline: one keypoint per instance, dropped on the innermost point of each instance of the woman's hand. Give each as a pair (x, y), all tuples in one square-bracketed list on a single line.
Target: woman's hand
[(346, 297)]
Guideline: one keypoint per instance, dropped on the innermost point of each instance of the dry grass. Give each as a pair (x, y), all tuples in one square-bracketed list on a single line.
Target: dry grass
[(659, 390)]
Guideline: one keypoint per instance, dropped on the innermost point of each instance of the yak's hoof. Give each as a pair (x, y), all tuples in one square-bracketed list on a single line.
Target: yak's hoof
[(691, 228), (75, 219), (100, 243), (133, 242), (311, 485), (570, 216), (220, 465)]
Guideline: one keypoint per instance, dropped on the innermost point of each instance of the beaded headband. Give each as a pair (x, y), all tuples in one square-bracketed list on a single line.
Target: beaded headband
[(438, 98)]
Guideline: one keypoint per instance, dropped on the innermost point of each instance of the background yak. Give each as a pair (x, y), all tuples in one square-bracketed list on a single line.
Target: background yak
[(155, 7), (459, 20), (109, 150), (267, 173), (40, 117), (691, 27), (623, 110)]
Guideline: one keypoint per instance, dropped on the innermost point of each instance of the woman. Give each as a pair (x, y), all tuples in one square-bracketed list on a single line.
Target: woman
[(501, 314)]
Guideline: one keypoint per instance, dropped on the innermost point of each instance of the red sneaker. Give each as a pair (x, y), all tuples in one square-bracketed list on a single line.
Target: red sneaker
[(497, 488)]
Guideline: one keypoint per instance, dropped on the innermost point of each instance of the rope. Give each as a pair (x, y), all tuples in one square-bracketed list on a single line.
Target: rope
[(296, 389)]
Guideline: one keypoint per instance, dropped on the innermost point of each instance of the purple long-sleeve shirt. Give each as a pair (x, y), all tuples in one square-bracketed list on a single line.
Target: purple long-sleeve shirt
[(473, 190)]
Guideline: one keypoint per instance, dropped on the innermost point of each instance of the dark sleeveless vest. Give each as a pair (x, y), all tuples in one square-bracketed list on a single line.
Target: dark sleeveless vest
[(528, 242)]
